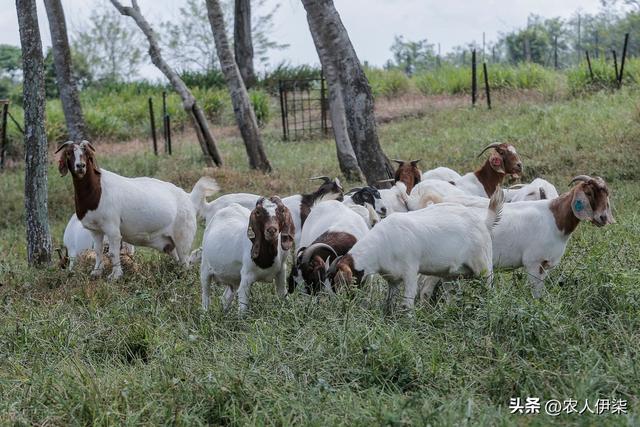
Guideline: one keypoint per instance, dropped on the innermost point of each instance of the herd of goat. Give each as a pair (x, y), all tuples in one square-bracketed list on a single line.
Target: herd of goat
[(428, 227)]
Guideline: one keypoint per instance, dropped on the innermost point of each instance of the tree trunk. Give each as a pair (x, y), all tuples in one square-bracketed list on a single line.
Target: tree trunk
[(242, 42), (325, 22), (64, 74), (242, 107), (205, 137), (346, 156), (35, 137)]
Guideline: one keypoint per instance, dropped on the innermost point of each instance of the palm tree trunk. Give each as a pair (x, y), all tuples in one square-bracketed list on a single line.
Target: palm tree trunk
[(205, 137), (35, 185), (64, 70), (242, 108)]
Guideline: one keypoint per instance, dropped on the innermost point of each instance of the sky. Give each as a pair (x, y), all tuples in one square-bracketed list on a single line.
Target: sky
[(372, 24)]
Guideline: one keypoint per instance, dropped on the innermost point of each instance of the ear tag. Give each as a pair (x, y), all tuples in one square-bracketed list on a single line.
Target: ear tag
[(496, 161), (578, 205)]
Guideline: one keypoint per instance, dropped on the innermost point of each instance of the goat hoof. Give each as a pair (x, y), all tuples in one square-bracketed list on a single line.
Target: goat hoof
[(96, 273), (115, 275)]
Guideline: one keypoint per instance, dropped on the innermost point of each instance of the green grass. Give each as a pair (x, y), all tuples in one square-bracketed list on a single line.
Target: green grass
[(140, 351)]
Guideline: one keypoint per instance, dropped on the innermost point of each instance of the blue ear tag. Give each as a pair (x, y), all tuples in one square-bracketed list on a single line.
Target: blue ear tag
[(578, 205)]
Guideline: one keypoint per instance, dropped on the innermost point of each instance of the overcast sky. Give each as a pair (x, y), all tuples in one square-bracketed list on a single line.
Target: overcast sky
[(372, 24)]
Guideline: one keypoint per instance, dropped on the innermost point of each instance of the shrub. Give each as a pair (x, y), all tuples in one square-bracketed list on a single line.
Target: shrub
[(389, 83), (260, 101)]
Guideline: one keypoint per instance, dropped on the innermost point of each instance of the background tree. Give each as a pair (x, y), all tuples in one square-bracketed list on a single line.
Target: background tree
[(35, 184), (64, 71), (412, 56), (205, 137), (324, 21), (245, 116), (110, 46), (242, 42)]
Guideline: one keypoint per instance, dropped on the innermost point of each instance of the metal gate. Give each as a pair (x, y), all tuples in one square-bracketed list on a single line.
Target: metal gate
[(304, 106)]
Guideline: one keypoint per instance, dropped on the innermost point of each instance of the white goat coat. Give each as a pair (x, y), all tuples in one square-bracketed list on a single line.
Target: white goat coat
[(442, 173), (531, 191), (332, 216), (226, 256)]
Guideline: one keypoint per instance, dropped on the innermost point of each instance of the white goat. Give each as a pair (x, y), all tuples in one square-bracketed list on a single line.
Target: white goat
[(241, 247), (367, 202), (78, 241), (538, 189), (534, 234), (141, 211), (442, 173), (446, 240)]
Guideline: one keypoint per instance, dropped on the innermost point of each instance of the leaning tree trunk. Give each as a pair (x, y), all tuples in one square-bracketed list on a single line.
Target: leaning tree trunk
[(63, 67), (346, 156), (242, 107), (356, 93), (35, 138), (205, 137), (242, 43)]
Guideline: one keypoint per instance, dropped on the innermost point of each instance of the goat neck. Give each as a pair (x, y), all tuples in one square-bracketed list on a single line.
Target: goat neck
[(87, 192), (489, 177)]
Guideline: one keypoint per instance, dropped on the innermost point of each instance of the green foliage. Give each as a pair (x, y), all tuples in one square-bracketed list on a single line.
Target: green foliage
[(77, 351), (10, 61), (412, 56), (261, 106), (285, 71), (604, 76), (208, 79), (389, 83)]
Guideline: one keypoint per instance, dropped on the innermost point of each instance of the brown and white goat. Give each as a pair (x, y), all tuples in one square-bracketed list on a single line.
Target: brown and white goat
[(241, 247), (408, 172), (141, 211)]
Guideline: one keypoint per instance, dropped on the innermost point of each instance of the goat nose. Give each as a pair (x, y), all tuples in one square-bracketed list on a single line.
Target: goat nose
[(603, 218), (272, 230), (519, 165), (383, 210)]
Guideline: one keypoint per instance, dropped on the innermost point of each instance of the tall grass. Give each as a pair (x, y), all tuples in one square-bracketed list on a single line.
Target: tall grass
[(580, 81)]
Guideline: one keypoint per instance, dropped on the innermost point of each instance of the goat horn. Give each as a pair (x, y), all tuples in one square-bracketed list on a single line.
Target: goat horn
[(584, 178), (415, 162), (86, 143), (59, 252), (354, 190), (398, 161), (492, 145), (306, 255), (332, 266), (63, 145), (326, 179)]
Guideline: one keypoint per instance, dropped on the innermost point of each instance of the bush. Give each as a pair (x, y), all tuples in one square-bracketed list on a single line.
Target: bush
[(285, 71), (389, 83), (260, 101), (580, 81), (209, 79)]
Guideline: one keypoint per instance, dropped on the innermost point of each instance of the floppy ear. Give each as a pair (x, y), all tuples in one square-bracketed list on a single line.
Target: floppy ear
[(251, 234), (581, 206), (62, 164), (287, 229), (496, 162), (417, 176)]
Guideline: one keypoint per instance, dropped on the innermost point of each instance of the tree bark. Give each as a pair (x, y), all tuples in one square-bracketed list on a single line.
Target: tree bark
[(325, 22), (64, 71), (35, 137), (242, 108), (205, 137), (346, 156), (242, 41)]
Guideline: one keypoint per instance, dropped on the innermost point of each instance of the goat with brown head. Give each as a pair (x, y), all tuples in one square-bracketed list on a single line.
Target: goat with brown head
[(79, 159), (588, 200), (408, 172), (270, 222), (504, 160)]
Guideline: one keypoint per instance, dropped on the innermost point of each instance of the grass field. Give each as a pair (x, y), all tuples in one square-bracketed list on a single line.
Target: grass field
[(140, 351)]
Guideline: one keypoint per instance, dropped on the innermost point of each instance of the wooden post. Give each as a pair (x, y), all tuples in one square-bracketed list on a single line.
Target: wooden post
[(615, 63), (555, 51), (164, 122), (3, 137), (474, 78), (486, 84), (282, 110), (152, 122), (624, 57), (586, 52)]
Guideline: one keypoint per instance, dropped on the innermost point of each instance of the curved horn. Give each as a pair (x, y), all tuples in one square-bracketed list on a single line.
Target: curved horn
[(332, 267), (583, 178), (64, 145), (397, 161), (86, 143), (354, 190), (306, 255), (492, 145), (326, 179)]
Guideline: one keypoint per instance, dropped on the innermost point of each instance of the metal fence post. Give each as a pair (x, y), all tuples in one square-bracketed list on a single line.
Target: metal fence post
[(3, 137), (152, 122)]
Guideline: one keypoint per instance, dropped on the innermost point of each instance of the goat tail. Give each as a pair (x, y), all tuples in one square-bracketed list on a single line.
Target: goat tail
[(494, 213), (206, 186)]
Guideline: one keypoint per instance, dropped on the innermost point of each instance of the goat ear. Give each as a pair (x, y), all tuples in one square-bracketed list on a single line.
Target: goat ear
[(581, 206), (287, 230), (496, 162), (62, 164)]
